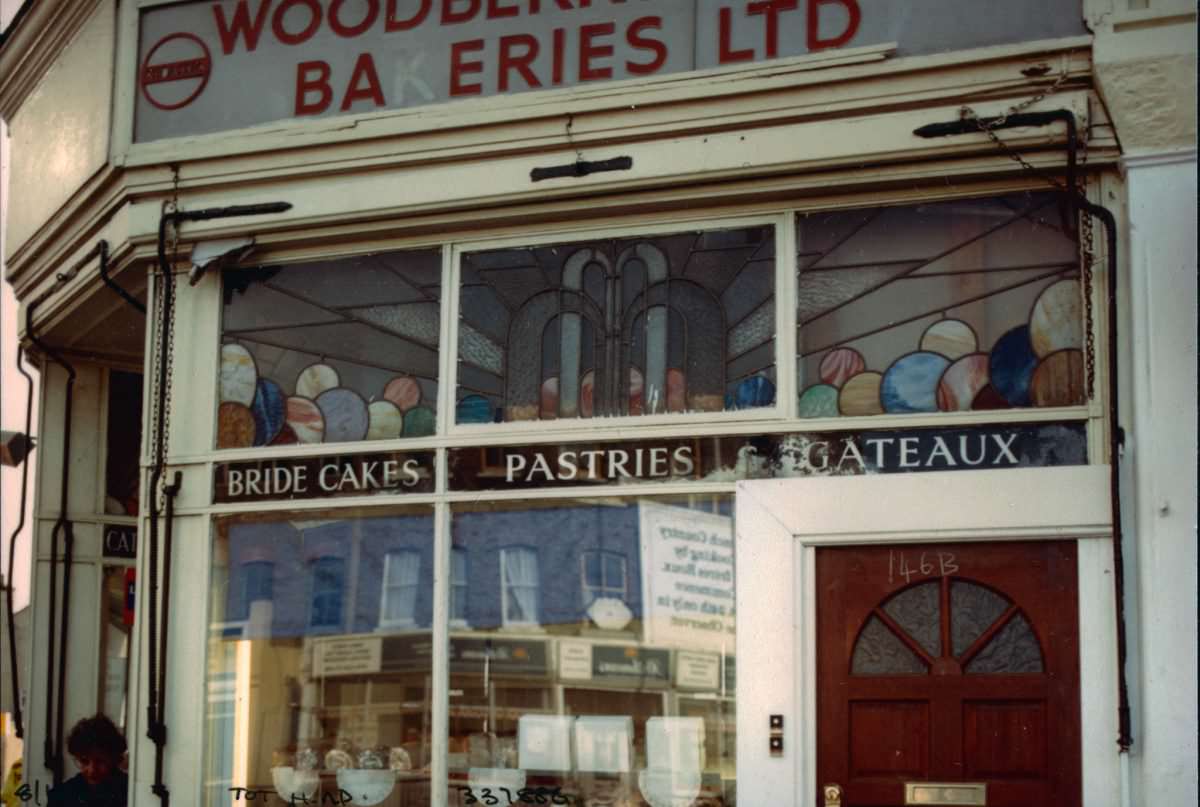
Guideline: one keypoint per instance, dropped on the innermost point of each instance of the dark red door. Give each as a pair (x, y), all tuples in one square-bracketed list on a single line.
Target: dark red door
[(949, 663)]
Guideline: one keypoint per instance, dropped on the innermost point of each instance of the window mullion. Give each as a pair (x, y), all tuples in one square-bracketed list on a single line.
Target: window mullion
[(440, 686)]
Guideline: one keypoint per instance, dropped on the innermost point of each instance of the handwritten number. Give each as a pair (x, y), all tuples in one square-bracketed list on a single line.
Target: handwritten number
[(525, 794), (556, 794), (926, 567), (488, 798), (470, 797)]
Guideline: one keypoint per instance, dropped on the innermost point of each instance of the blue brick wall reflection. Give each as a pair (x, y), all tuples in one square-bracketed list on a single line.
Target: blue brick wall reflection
[(288, 563)]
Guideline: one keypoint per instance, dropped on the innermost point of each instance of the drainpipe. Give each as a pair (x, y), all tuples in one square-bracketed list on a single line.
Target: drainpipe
[(156, 633), (52, 747), (12, 546), (1116, 434)]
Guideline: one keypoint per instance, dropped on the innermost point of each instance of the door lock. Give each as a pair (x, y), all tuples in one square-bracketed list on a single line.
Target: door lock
[(833, 795)]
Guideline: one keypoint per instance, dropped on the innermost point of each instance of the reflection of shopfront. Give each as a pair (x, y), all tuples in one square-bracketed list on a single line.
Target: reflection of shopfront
[(711, 437)]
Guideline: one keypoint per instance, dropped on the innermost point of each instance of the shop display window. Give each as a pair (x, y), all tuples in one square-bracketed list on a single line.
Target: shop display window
[(331, 351), (627, 700), (628, 326), (123, 441), (115, 629), (319, 656), (972, 304)]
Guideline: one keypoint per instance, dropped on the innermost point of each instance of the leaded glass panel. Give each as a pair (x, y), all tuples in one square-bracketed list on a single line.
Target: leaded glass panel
[(973, 609), (918, 611), (616, 327), (878, 651), (332, 351), (937, 307), (1014, 649)]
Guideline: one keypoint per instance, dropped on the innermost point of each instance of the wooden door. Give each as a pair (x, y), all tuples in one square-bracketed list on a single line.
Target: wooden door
[(949, 663)]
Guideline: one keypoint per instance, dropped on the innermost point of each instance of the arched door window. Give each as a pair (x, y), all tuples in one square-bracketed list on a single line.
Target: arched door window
[(980, 632)]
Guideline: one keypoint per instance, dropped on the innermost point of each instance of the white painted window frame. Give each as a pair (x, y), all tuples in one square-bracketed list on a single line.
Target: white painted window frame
[(591, 593), (505, 584), (387, 589), (782, 522), (193, 425)]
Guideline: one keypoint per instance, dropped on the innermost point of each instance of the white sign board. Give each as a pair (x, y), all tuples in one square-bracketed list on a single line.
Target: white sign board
[(687, 578), (212, 65), (352, 655)]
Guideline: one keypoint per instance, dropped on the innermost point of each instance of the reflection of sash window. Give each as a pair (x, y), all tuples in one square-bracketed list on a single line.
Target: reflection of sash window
[(258, 583), (401, 571), (458, 586), (603, 576), (519, 582), (328, 586)]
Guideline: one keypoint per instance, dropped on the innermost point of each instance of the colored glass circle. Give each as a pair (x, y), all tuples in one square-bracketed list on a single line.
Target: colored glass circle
[(1056, 322), (403, 391), (961, 382), (239, 375), (951, 338), (315, 379), (1058, 380), (819, 401), (473, 409), (841, 364), (305, 419), (910, 384), (420, 421), (385, 421), (235, 426), (1011, 364), (345, 412), (755, 391), (269, 410)]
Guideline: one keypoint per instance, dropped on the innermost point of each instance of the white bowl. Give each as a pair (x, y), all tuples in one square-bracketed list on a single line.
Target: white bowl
[(291, 783), (366, 787), (669, 788)]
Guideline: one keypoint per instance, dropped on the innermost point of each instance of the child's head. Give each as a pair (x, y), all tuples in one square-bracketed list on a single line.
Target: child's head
[(97, 746)]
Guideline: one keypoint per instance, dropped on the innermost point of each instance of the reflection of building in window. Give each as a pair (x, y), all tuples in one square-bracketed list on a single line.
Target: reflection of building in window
[(519, 586), (604, 575), (401, 571), (258, 583), (328, 586), (458, 586)]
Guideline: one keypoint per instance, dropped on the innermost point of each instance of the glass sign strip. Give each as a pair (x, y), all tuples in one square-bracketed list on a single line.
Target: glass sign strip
[(772, 456), (217, 65)]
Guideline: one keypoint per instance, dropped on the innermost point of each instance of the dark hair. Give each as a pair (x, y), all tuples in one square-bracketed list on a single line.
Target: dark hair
[(95, 734)]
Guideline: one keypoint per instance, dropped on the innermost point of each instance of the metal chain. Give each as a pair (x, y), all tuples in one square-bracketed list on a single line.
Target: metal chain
[(988, 128), (162, 321), (1087, 256)]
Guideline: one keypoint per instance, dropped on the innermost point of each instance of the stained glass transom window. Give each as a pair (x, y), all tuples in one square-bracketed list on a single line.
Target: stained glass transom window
[(634, 326), (988, 633), (946, 306), (330, 352)]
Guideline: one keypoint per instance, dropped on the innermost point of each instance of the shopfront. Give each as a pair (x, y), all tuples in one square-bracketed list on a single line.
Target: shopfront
[(582, 403)]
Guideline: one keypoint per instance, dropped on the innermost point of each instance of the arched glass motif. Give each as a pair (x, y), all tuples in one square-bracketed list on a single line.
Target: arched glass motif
[(617, 327), (988, 633)]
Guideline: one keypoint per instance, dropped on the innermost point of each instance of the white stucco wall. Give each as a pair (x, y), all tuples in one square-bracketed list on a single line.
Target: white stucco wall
[(1161, 452)]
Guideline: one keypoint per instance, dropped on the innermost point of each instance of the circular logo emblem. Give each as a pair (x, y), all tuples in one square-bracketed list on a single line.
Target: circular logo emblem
[(175, 71)]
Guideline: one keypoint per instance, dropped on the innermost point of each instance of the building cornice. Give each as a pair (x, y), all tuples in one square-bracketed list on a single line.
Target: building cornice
[(32, 47)]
